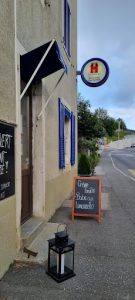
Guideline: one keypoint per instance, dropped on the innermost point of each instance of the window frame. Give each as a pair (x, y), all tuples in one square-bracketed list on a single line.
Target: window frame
[(67, 140), (64, 113), (67, 27)]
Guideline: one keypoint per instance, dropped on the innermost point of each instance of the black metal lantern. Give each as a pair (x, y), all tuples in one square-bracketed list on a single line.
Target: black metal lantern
[(61, 257)]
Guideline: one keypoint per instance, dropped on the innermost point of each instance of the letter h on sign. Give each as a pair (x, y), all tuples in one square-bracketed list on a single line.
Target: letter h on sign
[(94, 68)]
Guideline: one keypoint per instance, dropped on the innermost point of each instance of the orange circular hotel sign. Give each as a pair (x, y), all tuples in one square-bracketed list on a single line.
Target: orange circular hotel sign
[(95, 72)]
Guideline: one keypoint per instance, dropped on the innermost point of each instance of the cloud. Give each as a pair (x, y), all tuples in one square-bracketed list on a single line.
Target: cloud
[(106, 29), (130, 112), (128, 115)]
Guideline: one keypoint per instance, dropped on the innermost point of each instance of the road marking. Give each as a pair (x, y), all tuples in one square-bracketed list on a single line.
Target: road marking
[(123, 154), (132, 172), (117, 169)]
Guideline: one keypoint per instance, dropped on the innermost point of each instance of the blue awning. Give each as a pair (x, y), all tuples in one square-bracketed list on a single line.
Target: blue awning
[(52, 63)]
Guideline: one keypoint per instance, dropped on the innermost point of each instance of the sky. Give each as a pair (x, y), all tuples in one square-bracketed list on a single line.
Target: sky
[(106, 29)]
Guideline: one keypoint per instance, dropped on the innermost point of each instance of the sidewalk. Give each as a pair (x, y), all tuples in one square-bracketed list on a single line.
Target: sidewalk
[(97, 265)]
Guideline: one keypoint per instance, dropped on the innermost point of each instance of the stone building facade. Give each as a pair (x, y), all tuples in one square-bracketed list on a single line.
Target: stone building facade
[(39, 158)]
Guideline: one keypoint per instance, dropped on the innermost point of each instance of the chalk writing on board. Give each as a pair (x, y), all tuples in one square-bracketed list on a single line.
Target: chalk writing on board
[(85, 206), (86, 199), (5, 142), (86, 196), (7, 164), (80, 196)]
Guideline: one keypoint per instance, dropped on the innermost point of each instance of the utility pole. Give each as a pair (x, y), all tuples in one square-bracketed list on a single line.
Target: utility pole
[(118, 129)]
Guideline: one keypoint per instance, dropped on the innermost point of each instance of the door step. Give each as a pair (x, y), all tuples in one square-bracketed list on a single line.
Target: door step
[(30, 229), (39, 245)]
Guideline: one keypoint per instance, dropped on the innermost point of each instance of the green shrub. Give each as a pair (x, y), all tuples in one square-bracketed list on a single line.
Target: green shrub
[(84, 145), (87, 164), (83, 165), (93, 160)]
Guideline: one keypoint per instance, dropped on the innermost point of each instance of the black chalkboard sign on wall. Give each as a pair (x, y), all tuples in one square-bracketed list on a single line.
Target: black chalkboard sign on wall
[(7, 161), (86, 200)]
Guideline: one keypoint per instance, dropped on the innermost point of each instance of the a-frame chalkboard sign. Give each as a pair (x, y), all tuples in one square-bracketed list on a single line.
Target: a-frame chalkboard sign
[(86, 198)]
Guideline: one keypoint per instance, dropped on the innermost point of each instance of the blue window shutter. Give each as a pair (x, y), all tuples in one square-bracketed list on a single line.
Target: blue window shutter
[(67, 113), (61, 135), (67, 27), (72, 139), (68, 34)]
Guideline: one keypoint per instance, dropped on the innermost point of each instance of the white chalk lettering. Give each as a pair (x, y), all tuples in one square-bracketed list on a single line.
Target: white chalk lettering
[(1, 169), (3, 163), (89, 191), (5, 141), (2, 157), (6, 165), (82, 184), (5, 185), (82, 197), (85, 206), (2, 195)]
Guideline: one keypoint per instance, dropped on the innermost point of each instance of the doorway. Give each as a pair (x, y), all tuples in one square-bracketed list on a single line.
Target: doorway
[(26, 156)]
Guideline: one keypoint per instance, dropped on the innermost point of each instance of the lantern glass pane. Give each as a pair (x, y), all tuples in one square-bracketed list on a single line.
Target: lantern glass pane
[(68, 261), (53, 261)]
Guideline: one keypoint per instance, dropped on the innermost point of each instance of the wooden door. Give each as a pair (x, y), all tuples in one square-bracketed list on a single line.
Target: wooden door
[(26, 157)]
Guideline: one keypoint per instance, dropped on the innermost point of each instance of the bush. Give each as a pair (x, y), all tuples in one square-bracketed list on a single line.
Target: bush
[(93, 160), (84, 145), (83, 165), (87, 164)]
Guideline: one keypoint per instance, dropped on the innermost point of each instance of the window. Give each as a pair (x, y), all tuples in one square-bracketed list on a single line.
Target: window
[(67, 27), (66, 136)]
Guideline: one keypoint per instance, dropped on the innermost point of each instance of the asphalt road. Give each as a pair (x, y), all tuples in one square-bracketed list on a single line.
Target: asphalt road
[(119, 167), (124, 162), (104, 254)]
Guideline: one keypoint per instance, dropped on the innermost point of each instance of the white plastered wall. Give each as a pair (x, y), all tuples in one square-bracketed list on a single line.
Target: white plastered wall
[(18, 149), (38, 153), (38, 145), (32, 34)]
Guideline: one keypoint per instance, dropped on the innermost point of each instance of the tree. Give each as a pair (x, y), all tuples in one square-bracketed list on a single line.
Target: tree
[(109, 123), (89, 124), (110, 126), (122, 124), (101, 113), (97, 124), (86, 120), (99, 130)]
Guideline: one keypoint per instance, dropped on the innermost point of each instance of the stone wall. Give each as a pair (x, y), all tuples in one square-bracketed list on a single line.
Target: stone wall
[(7, 62), (8, 115)]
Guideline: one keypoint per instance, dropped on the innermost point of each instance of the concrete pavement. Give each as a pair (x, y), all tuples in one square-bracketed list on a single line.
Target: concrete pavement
[(104, 259)]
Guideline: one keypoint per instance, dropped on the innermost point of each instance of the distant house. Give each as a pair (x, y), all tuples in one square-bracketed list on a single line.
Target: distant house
[(38, 114)]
